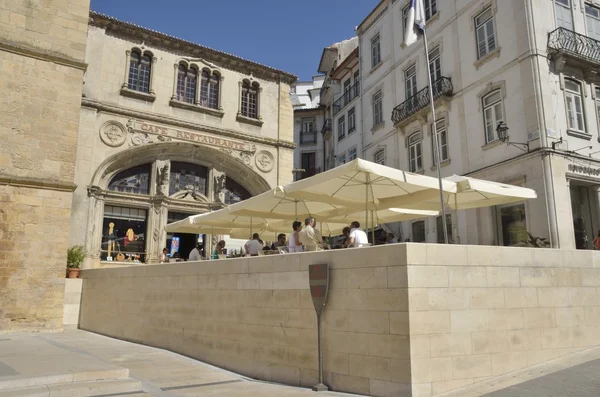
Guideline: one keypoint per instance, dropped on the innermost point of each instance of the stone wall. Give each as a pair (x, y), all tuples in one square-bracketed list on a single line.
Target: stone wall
[(405, 319), (42, 46)]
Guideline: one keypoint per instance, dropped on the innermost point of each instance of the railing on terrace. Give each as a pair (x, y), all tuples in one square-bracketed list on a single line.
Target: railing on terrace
[(347, 97), (574, 44), (441, 87)]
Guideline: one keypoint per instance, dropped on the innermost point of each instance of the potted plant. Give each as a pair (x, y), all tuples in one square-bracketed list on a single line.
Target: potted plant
[(75, 257)]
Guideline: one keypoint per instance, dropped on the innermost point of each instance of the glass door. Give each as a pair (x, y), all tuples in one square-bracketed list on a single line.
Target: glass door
[(582, 216)]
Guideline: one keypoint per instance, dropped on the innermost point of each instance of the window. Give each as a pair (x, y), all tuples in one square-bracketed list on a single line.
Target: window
[(379, 157), (598, 105), (486, 37), (234, 192), (134, 180), (592, 18), (309, 164), (410, 81), (375, 50), (418, 232), (415, 159), (435, 70), (187, 177), (308, 133), (351, 154), (405, 12), (187, 78), (342, 158), (492, 114), (430, 8), (512, 224), (441, 131), (377, 108), (351, 121), (209, 91), (250, 99), (440, 228), (123, 236), (139, 72), (574, 105), (341, 128), (356, 82), (564, 17)]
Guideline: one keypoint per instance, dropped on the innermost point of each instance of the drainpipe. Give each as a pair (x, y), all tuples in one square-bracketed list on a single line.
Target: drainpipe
[(546, 158), (362, 110), (323, 137)]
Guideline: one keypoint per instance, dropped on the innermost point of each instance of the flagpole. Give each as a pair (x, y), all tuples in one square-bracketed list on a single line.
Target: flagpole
[(436, 138)]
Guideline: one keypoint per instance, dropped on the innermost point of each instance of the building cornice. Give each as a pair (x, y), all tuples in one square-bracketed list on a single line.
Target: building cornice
[(138, 114), (43, 55), (162, 41), (37, 183)]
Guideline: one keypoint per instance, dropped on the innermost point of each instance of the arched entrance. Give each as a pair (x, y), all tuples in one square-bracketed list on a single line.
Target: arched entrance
[(135, 193)]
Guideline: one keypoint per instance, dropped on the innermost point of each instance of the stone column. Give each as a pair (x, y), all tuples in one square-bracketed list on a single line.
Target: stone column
[(176, 74), (240, 84), (219, 93), (95, 229), (152, 73), (126, 74), (155, 231)]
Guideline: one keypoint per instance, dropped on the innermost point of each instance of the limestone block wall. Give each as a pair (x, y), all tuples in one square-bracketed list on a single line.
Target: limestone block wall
[(42, 49), (72, 305), (402, 320)]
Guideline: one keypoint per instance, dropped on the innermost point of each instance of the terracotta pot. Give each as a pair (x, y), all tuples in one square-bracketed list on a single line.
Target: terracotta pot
[(73, 273)]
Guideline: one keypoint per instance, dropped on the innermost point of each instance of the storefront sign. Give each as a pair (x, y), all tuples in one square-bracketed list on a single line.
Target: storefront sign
[(583, 169), (204, 139)]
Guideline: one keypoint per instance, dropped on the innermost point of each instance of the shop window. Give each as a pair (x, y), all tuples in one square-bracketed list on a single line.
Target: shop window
[(187, 177), (123, 234), (512, 224), (134, 180), (418, 232), (234, 192)]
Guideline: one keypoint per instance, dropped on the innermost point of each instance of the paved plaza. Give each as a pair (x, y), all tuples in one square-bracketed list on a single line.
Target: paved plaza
[(78, 363)]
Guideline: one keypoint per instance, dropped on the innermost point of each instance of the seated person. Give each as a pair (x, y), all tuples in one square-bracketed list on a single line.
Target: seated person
[(281, 242)]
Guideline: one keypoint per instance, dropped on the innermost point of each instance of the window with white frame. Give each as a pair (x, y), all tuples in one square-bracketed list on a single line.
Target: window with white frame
[(351, 154), (485, 34), (341, 158), (377, 108), (187, 78), (574, 105), (308, 134), (379, 157), (430, 8), (341, 127), (435, 70), (443, 141), (351, 121), (592, 19), (249, 100), (375, 50), (415, 153), (209, 89), (410, 86), (140, 68), (418, 232), (405, 12), (564, 16), (492, 114)]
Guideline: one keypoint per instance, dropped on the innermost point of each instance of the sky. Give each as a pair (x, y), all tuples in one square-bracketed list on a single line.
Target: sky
[(285, 34)]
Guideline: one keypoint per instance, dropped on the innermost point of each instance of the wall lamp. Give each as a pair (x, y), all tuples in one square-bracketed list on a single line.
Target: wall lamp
[(502, 130)]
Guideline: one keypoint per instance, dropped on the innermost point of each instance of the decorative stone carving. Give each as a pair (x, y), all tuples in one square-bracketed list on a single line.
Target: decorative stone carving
[(264, 161), (162, 179), (113, 134), (243, 156), (220, 181), (191, 193), (155, 234)]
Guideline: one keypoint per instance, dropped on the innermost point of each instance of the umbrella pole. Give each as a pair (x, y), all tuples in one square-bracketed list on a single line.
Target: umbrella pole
[(455, 235), (296, 210), (436, 141), (373, 227), (367, 204)]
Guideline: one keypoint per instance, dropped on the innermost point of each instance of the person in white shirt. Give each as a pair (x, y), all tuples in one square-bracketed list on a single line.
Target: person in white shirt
[(195, 253), (357, 238), (294, 244), (310, 239), (253, 245)]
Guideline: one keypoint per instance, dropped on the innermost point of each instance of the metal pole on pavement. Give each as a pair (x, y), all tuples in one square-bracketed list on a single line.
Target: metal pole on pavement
[(436, 140)]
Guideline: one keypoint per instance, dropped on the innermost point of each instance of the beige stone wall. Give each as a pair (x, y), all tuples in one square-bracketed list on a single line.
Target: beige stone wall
[(72, 305), (409, 318), (42, 48)]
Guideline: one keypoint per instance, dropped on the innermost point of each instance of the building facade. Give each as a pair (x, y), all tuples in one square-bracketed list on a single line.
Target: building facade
[(42, 58), (169, 129), (527, 65)]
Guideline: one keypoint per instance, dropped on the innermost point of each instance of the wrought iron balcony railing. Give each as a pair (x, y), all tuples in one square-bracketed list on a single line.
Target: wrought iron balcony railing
[(346, 97), (326, 126), (441, 87), (565, 41)]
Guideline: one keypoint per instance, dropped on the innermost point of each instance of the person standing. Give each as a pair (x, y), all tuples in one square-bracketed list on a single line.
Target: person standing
[(358, 238), (308, 237), (294, 244), (195, 253), (253, 245)]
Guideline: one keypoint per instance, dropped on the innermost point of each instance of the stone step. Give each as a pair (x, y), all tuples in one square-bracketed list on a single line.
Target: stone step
[(19, 381), (78, 389)]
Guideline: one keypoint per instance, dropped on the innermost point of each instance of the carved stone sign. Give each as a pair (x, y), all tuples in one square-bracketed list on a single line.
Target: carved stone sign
[(318, 278), (205, 139), (112, 133), (264, 161), (583, 169)]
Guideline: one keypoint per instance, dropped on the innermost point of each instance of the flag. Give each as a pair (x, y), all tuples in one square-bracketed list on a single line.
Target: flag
[(415, 21)]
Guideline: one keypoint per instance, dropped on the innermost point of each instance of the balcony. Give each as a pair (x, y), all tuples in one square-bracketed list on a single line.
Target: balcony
[(567, 46), (347, 97), (441, 88), (327, 126)]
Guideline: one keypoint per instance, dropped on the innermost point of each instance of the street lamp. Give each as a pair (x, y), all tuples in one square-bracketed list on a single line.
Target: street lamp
[(502, 130)]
